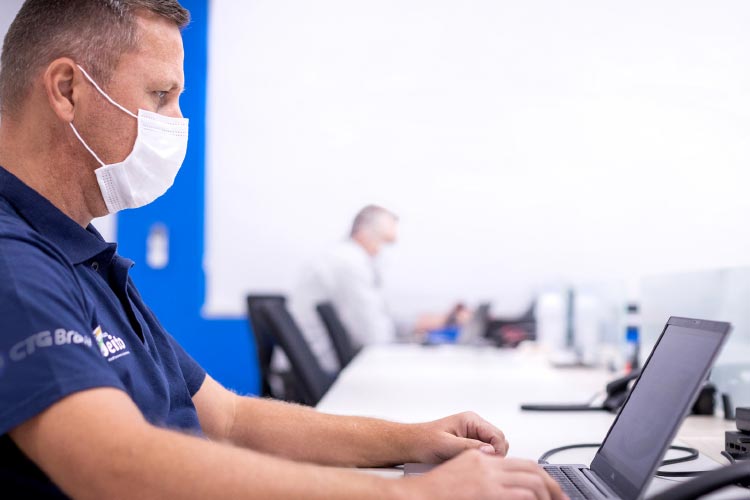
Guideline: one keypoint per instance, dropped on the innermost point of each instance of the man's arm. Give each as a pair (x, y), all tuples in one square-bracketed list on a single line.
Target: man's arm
[(301, 433), (95, 444)]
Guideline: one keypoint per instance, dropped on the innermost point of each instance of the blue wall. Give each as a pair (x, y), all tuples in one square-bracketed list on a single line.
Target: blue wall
[(177, 292)]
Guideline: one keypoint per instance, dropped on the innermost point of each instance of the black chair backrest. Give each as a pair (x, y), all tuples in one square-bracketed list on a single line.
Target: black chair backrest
[(264, 339), (313, 380), (340, 338)]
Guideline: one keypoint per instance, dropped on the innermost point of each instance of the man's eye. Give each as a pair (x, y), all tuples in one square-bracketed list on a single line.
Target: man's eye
[(161, 94)]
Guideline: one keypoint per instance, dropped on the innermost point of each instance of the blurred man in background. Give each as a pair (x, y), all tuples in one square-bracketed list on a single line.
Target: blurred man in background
[(349, 277)]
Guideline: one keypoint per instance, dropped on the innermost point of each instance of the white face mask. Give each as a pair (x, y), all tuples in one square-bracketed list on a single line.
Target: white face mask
[(150, 169)]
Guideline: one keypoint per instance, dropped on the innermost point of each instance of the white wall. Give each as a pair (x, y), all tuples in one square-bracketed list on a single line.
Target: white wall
[(7, 13), (523, 143)]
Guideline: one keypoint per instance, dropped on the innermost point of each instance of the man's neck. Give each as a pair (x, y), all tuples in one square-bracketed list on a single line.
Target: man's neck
[(54, 174), (368, 245)]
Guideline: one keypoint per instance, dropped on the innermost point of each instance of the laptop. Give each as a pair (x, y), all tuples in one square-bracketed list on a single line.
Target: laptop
[(650, 418)]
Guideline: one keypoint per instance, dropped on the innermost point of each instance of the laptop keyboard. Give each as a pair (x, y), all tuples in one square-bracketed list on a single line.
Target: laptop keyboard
[(571, 482)]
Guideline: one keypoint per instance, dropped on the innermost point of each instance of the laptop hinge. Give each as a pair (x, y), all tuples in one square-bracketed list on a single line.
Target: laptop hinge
[(600, 485)]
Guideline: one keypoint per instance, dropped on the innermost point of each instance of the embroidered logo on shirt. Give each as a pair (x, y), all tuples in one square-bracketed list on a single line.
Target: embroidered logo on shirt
[(47, 338), (110, 346)]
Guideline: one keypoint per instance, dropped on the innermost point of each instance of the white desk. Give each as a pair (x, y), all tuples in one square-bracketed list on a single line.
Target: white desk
[(411, 383)]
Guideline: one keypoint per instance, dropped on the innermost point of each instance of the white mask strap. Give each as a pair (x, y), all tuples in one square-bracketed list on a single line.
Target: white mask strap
[(86, 145), (112, 101)]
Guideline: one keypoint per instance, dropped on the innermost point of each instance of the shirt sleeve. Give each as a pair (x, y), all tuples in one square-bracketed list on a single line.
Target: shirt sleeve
[(47, 349), (192, 372)]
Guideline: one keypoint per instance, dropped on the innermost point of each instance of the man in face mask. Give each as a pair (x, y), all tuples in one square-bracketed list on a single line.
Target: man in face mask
[(96, 399)]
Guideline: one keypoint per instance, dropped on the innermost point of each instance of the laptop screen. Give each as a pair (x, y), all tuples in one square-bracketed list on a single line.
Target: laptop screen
[(648, 421)]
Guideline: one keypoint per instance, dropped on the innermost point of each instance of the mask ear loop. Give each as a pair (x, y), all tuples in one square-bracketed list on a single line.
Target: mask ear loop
[(80, 139), (112, 101)]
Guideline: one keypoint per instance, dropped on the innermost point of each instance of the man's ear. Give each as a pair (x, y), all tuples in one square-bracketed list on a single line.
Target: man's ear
[(62, 83)]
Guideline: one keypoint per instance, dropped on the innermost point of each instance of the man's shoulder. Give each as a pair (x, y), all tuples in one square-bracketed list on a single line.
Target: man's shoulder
[(21, 246), (348, 257), (348, 252), (11, 224)]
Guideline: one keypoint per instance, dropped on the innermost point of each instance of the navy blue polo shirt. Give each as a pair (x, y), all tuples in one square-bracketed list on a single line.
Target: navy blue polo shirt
[(71, 319)]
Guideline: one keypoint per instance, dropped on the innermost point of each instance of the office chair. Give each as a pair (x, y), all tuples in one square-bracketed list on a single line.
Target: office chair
[(340, 338), (263, 338), (313, 380)]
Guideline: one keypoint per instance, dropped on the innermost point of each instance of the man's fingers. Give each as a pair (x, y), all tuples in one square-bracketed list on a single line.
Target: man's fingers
[(463, 444), (516, 466), (478, 428), (528, 481), (456, 445), (490, 434), (519, 494)]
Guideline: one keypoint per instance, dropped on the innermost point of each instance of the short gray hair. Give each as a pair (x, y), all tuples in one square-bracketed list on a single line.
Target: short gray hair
[(368, 217), (94, 33)]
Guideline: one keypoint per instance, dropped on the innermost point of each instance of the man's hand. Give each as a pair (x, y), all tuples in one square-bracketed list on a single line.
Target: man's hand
[(476, 475), (443, 439)]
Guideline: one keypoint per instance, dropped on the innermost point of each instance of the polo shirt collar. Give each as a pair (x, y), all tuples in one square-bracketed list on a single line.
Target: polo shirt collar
[(77, 243)]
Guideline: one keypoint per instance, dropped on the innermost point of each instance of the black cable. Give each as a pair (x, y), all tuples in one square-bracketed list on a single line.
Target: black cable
[(692, 473), (729, 457), (738, 473), (543, 459), (680, 473), (692, 454)]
